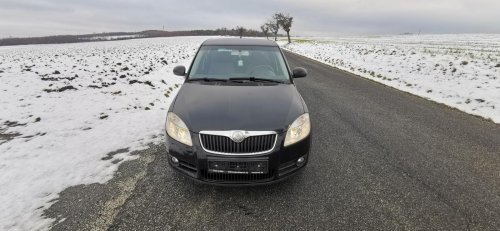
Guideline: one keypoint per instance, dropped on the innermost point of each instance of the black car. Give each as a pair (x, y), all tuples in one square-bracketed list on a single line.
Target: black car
[(238, 118)]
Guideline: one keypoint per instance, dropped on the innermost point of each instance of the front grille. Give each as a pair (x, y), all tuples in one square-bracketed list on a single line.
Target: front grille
[(238, 178), (250, 145)]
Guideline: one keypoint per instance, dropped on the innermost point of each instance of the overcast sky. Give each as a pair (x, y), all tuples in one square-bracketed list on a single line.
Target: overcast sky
[(22, 18)]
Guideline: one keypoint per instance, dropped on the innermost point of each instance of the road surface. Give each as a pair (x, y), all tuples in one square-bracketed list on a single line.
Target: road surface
[(381, 159)]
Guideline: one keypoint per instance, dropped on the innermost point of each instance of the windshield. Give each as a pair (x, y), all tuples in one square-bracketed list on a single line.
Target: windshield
[(225, 62)]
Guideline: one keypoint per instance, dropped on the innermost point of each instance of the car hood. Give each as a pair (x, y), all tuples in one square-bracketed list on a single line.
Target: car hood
[(238, 107)]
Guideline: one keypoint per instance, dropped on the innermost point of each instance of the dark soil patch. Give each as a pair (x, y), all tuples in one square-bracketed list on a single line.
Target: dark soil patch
[(65, 88), (9, 123), (6, 137)]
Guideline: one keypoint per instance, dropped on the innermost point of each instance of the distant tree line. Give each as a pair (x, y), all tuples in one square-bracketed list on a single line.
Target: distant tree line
[(238, 31), (270, 28), (56, 39)]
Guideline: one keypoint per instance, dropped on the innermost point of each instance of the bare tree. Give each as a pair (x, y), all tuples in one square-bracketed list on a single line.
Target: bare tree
[(274, 27), (285, 22), (265, 30), (240, 30)]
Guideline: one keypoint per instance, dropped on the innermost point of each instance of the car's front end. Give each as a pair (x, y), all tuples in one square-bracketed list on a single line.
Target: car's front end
[(215, 158)]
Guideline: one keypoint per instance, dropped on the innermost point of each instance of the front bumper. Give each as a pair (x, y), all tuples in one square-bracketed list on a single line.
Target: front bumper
[(194, 162)]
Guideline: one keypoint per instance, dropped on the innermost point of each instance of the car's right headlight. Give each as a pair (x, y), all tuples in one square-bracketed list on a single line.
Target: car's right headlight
[(177, 129), (298, 130)]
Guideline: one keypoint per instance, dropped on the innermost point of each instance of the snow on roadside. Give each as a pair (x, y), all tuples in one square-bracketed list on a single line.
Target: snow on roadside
[(461, 71), (69, 114)]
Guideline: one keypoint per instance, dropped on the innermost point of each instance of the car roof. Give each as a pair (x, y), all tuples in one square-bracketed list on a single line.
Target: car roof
[(239, 42)]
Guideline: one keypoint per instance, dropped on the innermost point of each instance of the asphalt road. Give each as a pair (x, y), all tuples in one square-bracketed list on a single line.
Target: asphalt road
[(381, 159)]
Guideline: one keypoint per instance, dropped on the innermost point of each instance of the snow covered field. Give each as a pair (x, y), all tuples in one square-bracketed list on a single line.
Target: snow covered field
[(69, 114), (462, 71)]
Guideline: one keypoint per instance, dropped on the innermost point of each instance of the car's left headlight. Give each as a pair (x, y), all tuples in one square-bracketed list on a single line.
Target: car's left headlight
[(298, 130), (177, 129)]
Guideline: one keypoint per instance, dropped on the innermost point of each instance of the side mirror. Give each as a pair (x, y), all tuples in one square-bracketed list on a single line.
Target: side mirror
[(180, 70), (299, 72)]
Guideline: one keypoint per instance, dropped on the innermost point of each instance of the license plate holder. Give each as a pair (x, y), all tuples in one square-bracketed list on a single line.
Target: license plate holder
[(238, 167)]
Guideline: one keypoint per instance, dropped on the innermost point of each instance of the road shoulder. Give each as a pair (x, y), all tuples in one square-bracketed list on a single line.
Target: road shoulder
[(94, 206)]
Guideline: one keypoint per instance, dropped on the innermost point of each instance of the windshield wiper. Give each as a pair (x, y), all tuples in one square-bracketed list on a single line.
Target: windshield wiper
[(207, 80), (254, 79)]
